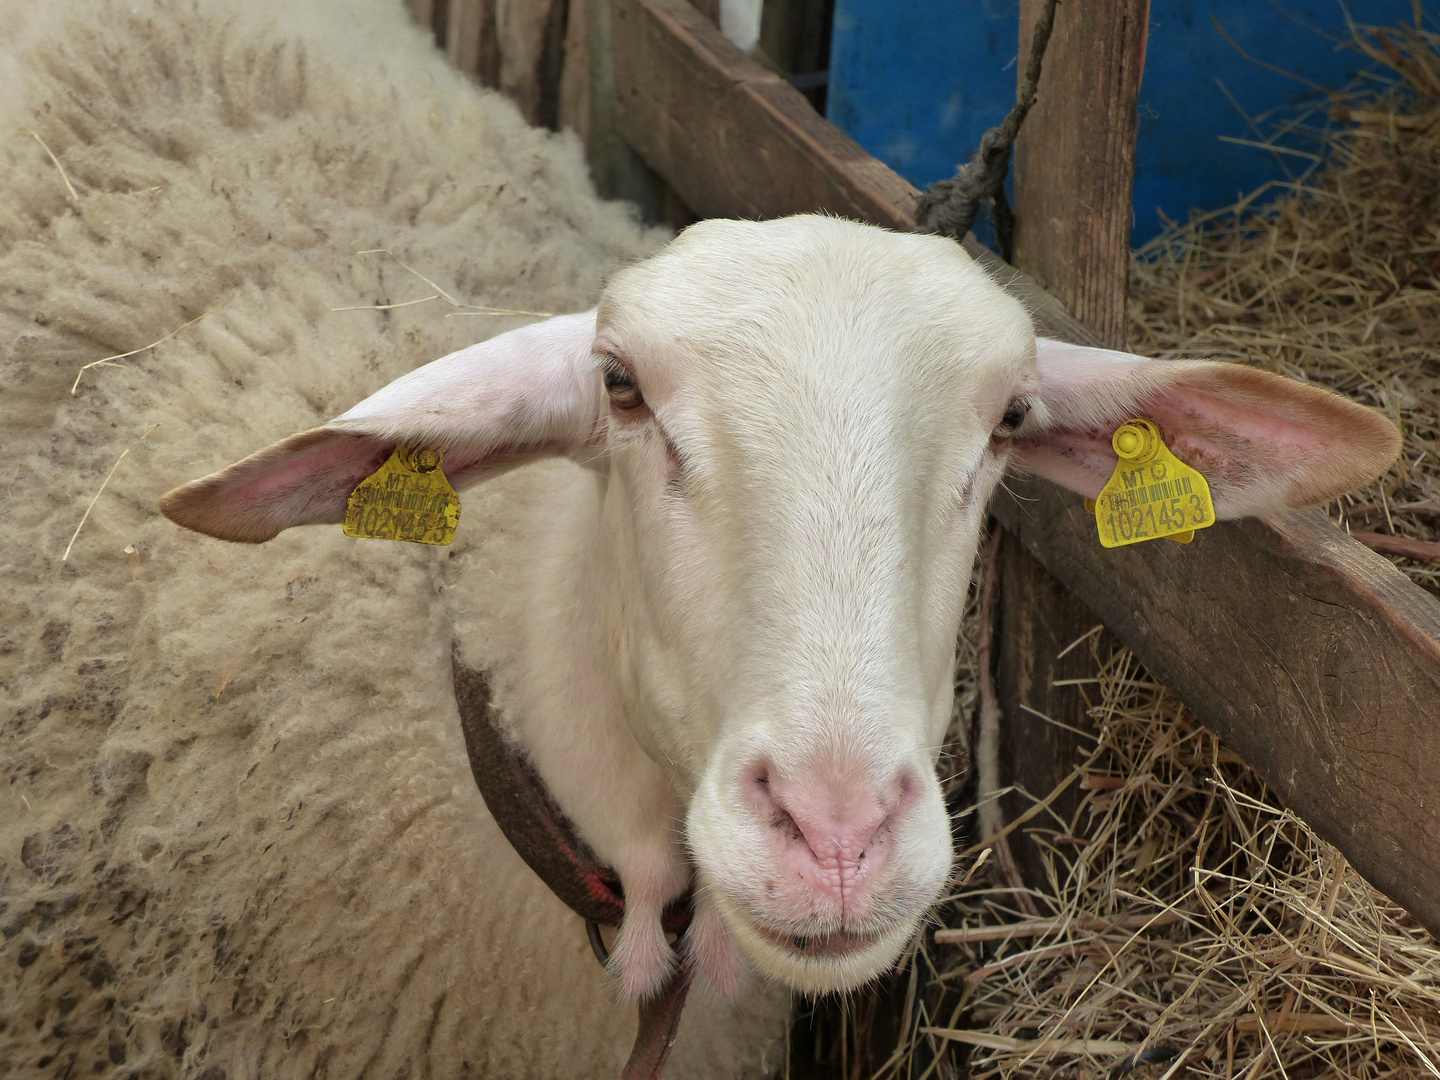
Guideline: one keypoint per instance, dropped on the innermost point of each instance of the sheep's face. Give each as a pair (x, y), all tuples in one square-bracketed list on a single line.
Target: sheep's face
[(797, 425), (803, 421)]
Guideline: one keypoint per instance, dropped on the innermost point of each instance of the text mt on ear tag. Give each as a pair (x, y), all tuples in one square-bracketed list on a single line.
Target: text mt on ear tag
[(1152, 493), (407, 498)]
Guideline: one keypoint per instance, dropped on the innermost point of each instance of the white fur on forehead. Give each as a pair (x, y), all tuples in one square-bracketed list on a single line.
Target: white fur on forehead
[(815, 301), (831, 389)]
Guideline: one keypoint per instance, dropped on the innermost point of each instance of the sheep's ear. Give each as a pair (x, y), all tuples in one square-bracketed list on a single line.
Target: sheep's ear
[(1262, 442), (526, 394)]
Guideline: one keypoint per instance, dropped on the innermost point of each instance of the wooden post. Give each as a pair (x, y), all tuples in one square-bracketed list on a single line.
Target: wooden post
[(574, 107), (1038, 621), (1074, 168), (734, 139), (467, 34), (1075, 158), (531, 38)]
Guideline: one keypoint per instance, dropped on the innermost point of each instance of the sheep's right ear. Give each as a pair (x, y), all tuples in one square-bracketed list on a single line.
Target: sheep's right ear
[(526, 394)]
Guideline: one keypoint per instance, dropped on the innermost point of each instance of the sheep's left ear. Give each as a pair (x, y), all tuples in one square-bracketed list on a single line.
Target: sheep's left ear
[(523, 395), (1262, 442)]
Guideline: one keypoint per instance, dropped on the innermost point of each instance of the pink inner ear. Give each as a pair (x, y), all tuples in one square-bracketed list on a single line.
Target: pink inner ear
[(1263, 442), (1235, 445), (317, 484), (1079, 460), (306, 480), (327, 469), (489, 407), (1231, 438)]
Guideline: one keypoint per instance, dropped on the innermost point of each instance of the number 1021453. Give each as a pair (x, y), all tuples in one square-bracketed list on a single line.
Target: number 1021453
[(1152, 494)]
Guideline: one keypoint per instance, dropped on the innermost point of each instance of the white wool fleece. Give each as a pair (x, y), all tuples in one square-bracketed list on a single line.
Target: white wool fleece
[(238, 833)]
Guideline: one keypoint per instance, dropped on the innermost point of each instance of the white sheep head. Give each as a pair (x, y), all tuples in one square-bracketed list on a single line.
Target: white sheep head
[(794, 428)]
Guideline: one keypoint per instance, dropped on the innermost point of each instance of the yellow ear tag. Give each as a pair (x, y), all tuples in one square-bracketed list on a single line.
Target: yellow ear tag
[(407, 498), (1151, 494)]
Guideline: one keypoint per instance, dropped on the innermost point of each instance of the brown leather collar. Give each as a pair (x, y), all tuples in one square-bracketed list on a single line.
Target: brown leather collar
[(542, 836)]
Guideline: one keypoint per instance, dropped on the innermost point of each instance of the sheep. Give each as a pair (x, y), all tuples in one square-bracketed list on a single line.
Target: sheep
[(740, 502), (238, 834)]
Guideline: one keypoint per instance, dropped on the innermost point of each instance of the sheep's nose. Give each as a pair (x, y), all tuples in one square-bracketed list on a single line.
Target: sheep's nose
[(832, 826)]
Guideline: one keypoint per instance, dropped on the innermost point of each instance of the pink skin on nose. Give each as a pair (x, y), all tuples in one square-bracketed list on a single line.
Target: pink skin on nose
[(829, 830)]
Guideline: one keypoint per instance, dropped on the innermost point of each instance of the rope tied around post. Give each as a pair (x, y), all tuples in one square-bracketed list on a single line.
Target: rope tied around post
[(949, 207)]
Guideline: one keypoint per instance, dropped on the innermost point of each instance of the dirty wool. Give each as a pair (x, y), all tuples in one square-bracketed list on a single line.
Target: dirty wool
[(238, 833)]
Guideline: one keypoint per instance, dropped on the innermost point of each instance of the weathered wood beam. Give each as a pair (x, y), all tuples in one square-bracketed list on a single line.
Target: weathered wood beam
[(734, 139), (574, 92), (422, 11), (1312, 656), (1075, 158), (1074, 171), (469, 37)]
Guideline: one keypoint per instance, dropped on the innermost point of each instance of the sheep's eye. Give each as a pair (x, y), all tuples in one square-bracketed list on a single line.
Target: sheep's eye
[(622, 388), (1013, 418)]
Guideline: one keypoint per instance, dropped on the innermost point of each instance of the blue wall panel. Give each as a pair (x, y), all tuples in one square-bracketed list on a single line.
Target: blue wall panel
[(917, 82)]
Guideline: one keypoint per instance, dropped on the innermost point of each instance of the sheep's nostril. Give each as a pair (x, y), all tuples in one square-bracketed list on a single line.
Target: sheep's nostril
[(781, 821), (758, 788)]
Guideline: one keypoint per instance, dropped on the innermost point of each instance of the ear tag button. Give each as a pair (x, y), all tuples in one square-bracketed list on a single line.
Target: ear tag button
[(407, 498), (1151, 494)]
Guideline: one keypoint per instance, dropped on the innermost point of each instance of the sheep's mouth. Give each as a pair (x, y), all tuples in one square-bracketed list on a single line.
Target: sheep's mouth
[(817, 961), (832, 945)]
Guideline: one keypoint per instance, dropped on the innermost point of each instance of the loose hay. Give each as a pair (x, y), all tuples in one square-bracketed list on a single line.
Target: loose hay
[(1335, 282), (1197, 926)]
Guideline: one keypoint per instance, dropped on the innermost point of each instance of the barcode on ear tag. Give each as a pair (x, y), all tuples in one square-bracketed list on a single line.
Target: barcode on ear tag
[(1152, 494), (407, 498)]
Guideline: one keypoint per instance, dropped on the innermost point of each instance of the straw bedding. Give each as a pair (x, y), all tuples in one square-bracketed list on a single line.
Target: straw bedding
[(1190, 925), (238, 834), (1334, 282)]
